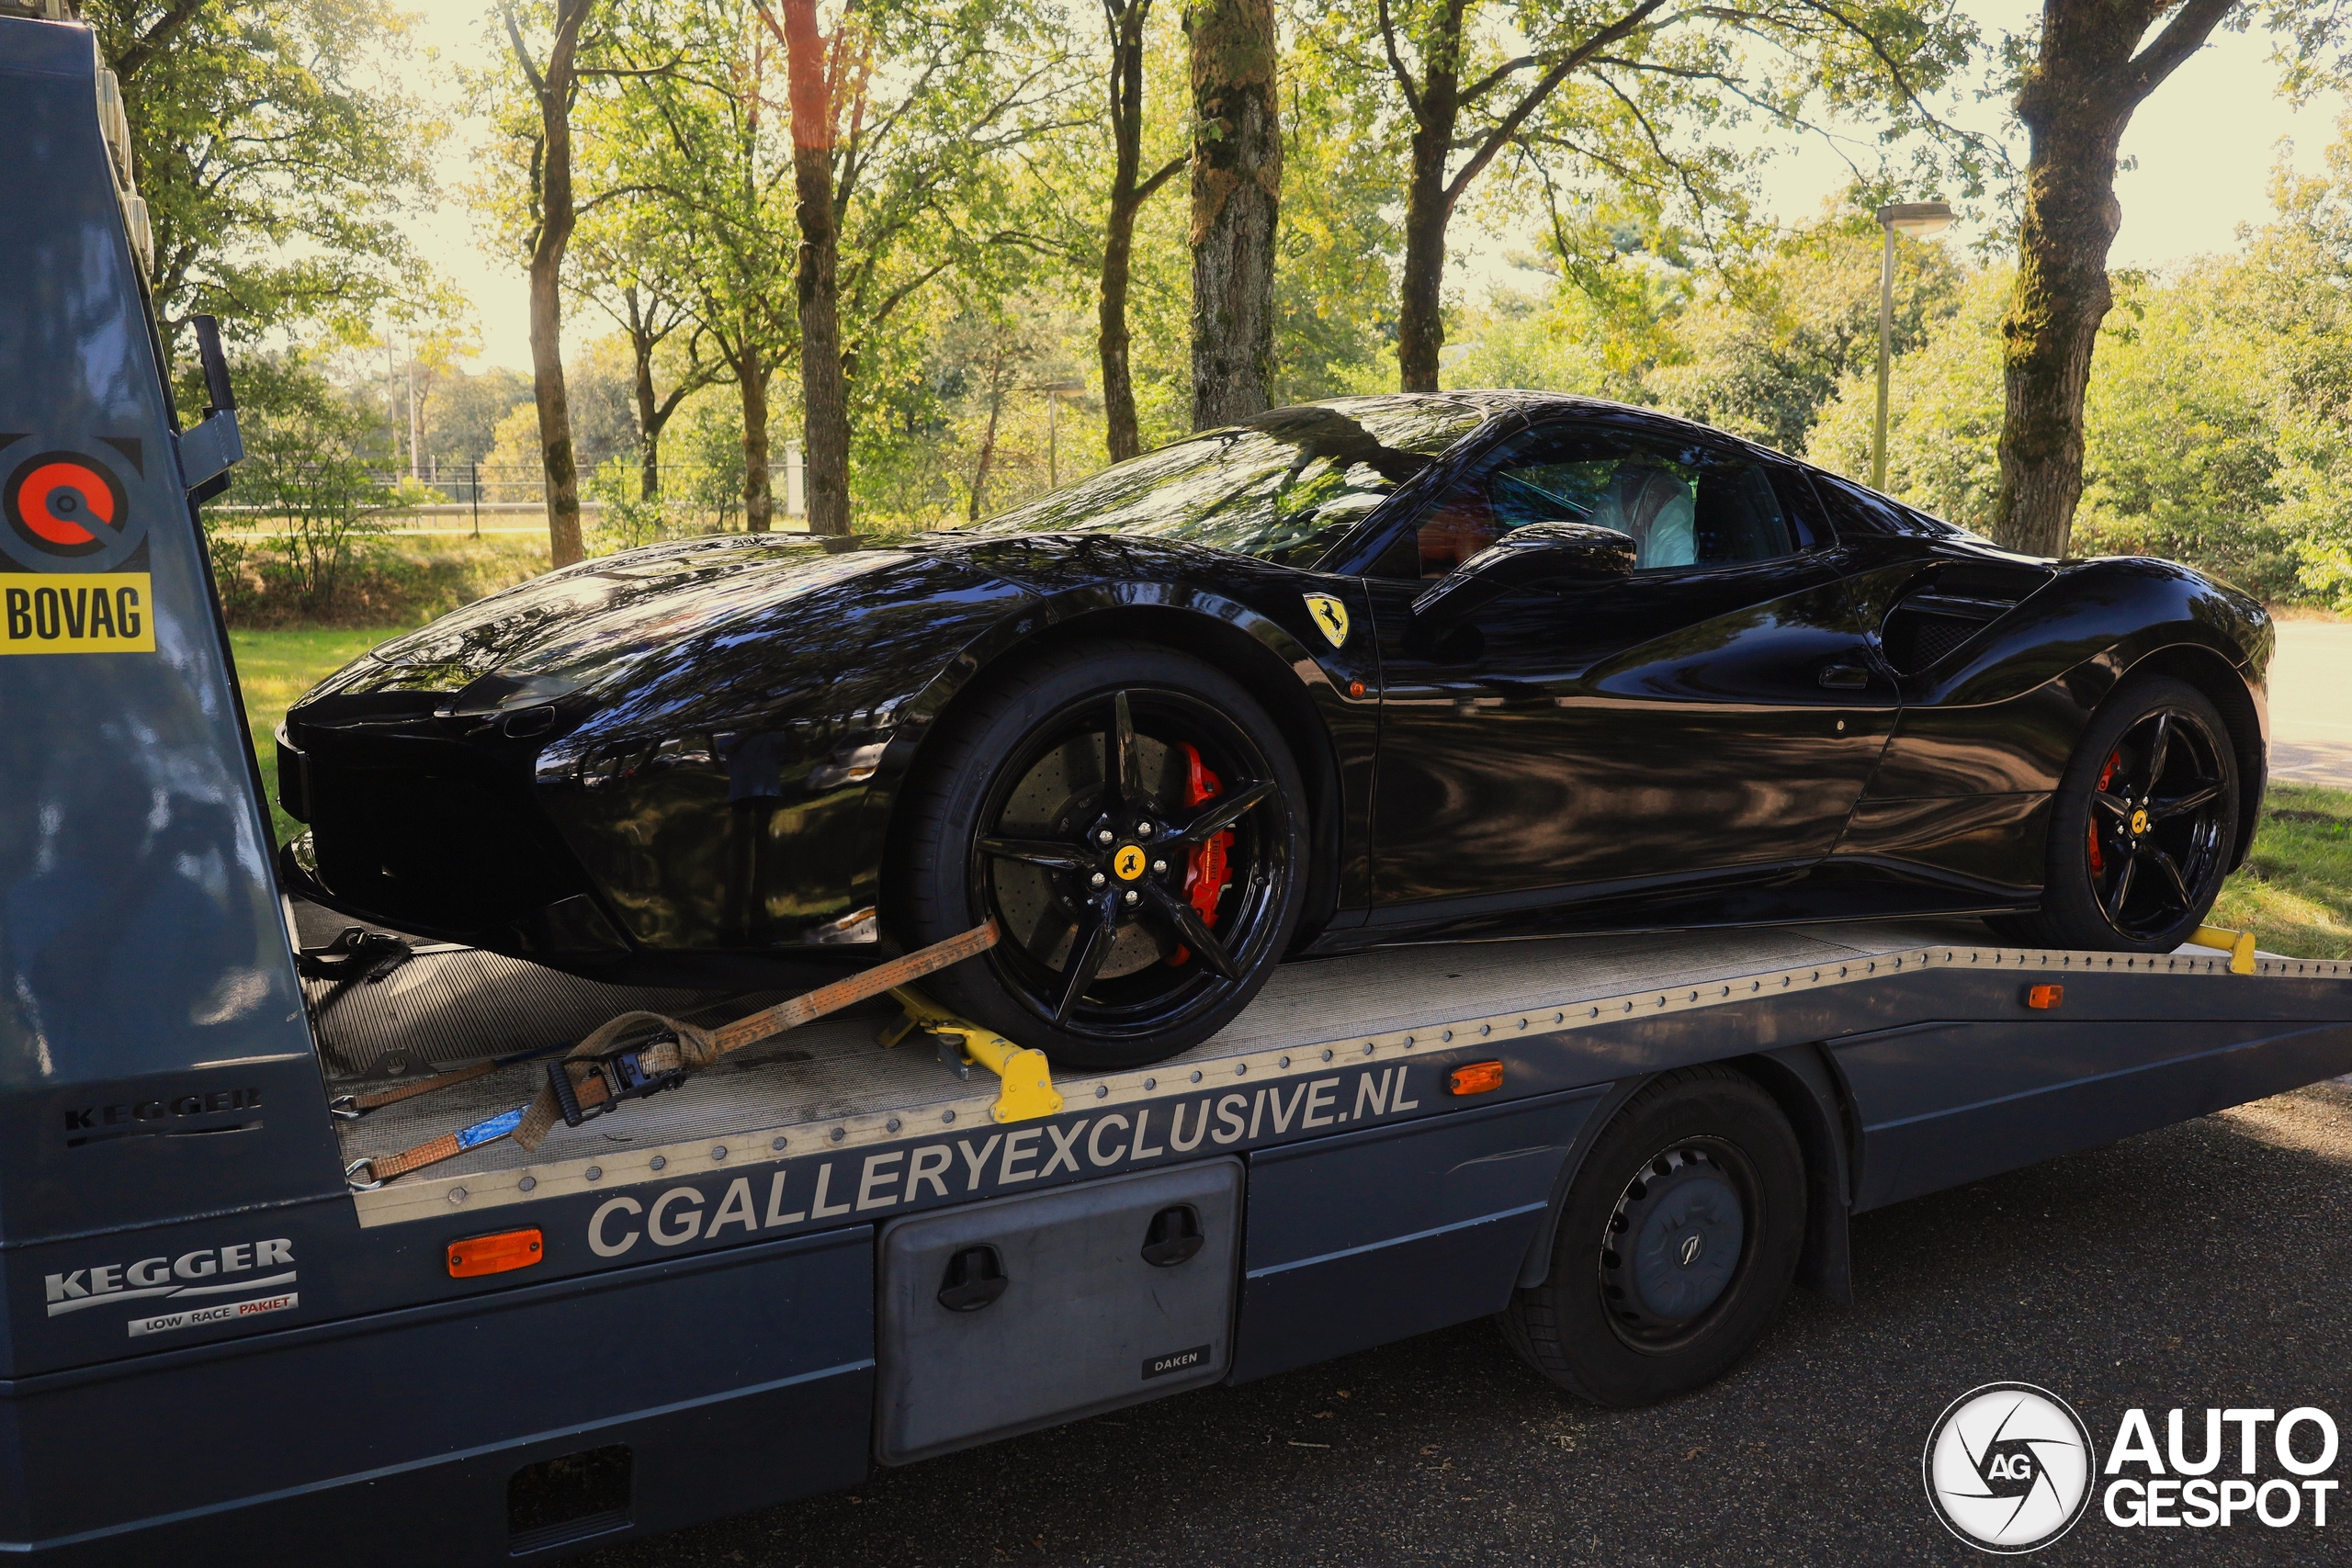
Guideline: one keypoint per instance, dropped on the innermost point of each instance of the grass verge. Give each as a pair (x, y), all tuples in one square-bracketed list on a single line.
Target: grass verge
[(276, 667), (2294, 893)]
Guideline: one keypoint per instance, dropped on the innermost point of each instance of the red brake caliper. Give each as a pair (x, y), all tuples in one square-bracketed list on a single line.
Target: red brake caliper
[(2099, 861), (1206, 870)]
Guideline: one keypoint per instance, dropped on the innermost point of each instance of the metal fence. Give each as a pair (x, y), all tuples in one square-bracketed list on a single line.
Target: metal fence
[(689, 497)]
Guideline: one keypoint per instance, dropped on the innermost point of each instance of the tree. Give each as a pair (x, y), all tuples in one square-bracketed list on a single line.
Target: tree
[(904, 119), (1627, 90), (688, 211), (553, 88), (622, 267), (274, 152), (1130, 189), (824, 391), (1236, 197), (2087, 74)]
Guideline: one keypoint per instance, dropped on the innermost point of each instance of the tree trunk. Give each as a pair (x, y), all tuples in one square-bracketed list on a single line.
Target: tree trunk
[(1420, 321), (2061, 296), (649, 414), (1129, 191), (2075, 101), (554, 90), (988, 441), (1121, 433), (824, 386), (751, 373), (1236, 191)]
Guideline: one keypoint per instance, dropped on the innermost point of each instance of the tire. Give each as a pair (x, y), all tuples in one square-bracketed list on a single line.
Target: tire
[(2163, 842), (1703, 1167), (1016, 816)]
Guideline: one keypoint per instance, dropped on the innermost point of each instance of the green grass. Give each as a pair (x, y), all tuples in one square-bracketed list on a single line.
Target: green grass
[(275, 667), (2294, 893)]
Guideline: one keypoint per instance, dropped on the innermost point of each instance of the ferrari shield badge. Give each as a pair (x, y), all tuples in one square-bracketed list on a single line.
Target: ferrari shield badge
[(1330, 617)]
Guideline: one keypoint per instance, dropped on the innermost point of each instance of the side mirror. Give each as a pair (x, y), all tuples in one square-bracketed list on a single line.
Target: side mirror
[(1534, 554)]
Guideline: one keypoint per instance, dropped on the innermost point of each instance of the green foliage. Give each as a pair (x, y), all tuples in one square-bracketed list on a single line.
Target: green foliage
[(307, 477), (462, 416), (2217, 423), (627, 518), (1769, 342), (1943, 412), (275, 151)]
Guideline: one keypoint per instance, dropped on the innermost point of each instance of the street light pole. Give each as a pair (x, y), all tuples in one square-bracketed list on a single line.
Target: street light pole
[(1054, 390), (1920, 220), (1886, 358)]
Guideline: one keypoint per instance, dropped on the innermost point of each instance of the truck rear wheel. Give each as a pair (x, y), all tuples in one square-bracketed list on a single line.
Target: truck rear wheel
[(1677, 1244)]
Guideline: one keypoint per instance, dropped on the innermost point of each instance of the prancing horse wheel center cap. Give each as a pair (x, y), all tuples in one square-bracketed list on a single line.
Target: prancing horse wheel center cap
[(2140, 820), (1128, 862)]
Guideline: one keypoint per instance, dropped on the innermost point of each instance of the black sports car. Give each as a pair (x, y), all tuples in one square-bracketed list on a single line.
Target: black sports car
[(1357, 672)]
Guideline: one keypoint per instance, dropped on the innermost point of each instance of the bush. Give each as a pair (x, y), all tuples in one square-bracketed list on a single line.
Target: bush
[(401, 580)]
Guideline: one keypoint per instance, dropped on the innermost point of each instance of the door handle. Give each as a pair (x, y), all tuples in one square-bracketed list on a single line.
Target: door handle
[(1843, 677), (975, 1278), (1174, 1236)]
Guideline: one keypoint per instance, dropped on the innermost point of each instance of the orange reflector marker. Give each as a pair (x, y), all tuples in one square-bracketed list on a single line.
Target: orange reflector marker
[(494, 1253), (2044, 997), (1477, 1078)]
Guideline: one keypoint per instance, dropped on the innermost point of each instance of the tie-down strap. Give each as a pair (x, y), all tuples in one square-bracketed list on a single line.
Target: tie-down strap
[(672, 1049)]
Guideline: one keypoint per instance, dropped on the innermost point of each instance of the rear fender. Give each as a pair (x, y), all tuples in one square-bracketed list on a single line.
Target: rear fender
[(2005, 715)]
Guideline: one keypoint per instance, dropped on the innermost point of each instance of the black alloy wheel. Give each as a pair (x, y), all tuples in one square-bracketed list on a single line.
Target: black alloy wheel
[(1127, 814), (1675, 1246), (2155, 838), (2143, 828)]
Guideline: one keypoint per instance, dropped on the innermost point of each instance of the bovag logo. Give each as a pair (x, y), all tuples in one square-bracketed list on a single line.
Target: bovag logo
[(2008, 1467)]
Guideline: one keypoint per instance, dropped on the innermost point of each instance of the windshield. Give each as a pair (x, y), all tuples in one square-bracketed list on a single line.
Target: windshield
[(1284, 486)]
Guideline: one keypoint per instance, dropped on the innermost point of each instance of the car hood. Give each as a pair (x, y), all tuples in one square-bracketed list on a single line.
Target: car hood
[(616, 621)]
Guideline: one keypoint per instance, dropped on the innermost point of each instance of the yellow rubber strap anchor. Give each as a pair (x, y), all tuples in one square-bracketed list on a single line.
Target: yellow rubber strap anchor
[(1024, 1080), (2239, 945)]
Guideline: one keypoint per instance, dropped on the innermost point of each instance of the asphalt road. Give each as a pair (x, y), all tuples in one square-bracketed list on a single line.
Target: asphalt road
[(2311, 704), (2202, 1265)]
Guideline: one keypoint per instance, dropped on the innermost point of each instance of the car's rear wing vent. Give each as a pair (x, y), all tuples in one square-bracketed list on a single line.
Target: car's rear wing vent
[(1933, 621)]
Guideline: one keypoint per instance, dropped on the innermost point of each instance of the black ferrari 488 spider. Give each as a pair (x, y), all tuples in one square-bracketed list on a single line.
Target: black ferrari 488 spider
[(1370, 669)]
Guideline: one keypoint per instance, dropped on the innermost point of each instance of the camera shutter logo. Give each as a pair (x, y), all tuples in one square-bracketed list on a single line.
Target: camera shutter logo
[(66, 512), (2008, 1467)]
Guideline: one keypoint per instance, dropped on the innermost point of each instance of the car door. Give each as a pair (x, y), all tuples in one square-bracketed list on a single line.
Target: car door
[(1712, 715)]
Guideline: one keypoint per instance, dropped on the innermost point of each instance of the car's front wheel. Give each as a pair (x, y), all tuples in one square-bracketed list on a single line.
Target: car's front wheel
[(1131, 818)]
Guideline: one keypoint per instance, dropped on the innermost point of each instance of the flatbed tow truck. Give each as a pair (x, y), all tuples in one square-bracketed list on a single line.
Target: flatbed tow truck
[(225, 1339)]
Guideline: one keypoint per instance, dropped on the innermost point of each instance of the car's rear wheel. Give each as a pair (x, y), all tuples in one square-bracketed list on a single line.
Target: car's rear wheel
[(1676, 1244), (2142, 826), (1131, 818)]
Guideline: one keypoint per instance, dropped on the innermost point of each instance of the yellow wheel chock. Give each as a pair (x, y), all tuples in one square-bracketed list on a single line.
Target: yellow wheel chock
[(2239, 945), (1024, 1080)]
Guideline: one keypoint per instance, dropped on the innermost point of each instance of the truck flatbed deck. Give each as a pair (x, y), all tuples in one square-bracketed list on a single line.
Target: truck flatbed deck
[(1594, 1005)]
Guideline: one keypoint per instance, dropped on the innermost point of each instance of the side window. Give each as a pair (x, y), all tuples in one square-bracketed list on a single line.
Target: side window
[(1683, 503)]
